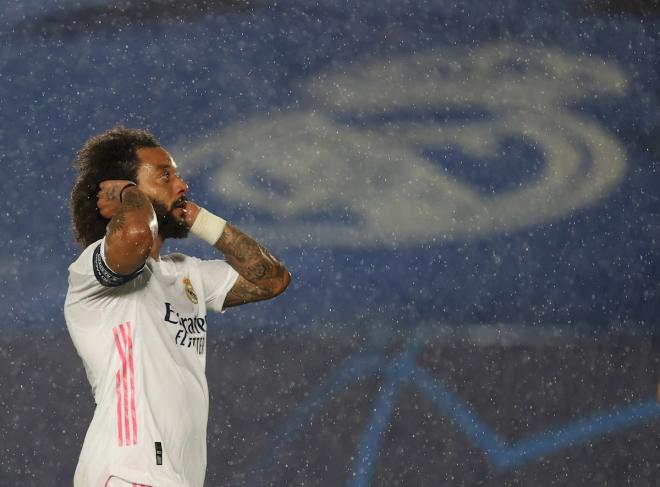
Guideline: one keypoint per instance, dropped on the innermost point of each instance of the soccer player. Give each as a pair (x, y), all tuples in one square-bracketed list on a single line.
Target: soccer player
[(138, 319)]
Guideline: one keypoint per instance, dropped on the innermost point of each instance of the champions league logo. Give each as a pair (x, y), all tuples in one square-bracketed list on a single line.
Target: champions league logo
[(355, 171)]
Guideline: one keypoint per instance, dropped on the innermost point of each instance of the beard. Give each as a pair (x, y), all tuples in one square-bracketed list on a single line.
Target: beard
[(168, 225)]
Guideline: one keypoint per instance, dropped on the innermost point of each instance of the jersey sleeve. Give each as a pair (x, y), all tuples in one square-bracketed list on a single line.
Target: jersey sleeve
[(91, 278), (106, 276), (218, 278)]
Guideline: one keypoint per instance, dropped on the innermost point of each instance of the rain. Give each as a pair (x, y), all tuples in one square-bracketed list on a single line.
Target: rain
[(466, 196)]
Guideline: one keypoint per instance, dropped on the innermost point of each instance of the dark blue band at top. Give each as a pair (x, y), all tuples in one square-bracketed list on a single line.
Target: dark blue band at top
[(105, 275)]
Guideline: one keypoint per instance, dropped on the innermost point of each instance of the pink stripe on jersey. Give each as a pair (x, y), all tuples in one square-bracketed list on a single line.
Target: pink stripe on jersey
[(118, 391), (130, 365), (122, 357), (125, 384), (124, 370), (125, 390)]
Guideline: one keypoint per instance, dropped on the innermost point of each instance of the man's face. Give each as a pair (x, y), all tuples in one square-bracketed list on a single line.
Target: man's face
[(158, 179)]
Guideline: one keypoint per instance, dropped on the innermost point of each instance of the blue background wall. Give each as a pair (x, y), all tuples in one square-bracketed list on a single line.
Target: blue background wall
[(581, 252), (438, 172)]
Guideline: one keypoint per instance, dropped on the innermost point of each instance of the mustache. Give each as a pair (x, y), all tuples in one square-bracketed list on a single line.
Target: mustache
[(180, 203), (163, 211)]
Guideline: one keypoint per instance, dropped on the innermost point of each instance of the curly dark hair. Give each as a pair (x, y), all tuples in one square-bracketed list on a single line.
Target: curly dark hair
[(109, 155)]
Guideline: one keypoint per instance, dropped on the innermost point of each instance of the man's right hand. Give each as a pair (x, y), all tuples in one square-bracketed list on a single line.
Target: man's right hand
[(107, 199)]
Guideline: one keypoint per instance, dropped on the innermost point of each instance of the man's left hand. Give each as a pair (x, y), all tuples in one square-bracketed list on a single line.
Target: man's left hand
[(191, 210)]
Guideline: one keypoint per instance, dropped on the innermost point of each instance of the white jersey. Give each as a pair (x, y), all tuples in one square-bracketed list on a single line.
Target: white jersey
[(142, 340)]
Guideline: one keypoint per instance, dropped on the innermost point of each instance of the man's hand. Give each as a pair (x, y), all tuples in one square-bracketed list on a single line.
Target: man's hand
[(190, 212), (107, 199)]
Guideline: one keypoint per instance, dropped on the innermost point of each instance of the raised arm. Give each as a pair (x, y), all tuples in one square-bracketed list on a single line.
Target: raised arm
[(261, 275), (132, 229)]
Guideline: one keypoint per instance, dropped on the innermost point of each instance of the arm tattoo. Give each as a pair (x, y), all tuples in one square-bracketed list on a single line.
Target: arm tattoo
[(265, 275), (245, 292), (116, 223), (111, 193), (257, 271), (133, 200)]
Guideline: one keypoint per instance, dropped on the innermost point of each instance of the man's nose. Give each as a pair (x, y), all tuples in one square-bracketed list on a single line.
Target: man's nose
[(181, 186)]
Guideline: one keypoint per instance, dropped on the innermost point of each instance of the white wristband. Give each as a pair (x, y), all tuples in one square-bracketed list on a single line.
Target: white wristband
[(208, 226)]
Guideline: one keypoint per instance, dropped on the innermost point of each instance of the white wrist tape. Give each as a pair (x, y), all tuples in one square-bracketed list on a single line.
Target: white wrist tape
[(208, 226)]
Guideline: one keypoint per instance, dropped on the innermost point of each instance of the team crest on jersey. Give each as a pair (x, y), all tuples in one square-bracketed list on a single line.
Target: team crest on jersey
[(190, 292)]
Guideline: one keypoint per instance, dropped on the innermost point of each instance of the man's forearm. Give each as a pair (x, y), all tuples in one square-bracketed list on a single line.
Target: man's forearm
[(261, 275), (134, 208), (132, 228), (252, 261)]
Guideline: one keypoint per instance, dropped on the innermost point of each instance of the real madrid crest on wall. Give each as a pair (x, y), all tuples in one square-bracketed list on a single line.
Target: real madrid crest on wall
[(190, 292)]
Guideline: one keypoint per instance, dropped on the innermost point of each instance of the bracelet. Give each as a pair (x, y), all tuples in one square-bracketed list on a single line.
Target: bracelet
[(208, 227), (122, 191)]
